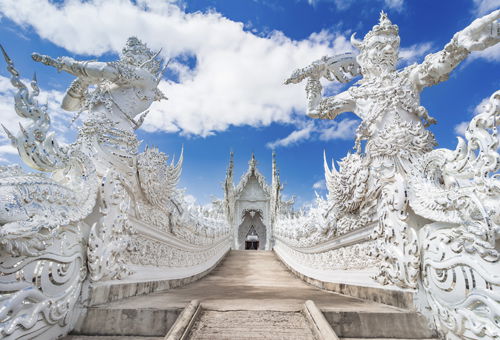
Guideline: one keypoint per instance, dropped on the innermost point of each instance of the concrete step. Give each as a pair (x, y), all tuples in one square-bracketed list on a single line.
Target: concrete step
[(243, 325), (148, 322), (156, 322), (400, 325), (100, 337)]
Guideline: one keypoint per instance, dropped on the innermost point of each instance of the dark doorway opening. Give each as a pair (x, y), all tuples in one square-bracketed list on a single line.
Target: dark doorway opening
[(252, 239), (251, 245)]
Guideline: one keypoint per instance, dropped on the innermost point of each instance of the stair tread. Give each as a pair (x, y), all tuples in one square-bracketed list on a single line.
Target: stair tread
[(109, 337), (243, 325)]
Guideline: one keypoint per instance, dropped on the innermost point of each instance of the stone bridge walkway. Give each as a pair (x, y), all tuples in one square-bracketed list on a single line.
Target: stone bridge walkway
[(250, 280), (244, 286)]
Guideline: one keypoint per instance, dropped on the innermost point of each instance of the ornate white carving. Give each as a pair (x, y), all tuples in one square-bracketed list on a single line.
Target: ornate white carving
[(42, 238), (110, 237), (140, 218), (436, 211), (41, 291), (158, 179), (353, 257), (460, 257)]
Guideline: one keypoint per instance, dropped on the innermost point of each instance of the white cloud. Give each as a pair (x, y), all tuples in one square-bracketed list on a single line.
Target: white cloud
[(344, 129), (395, 4), (341, 5), (320, 185), (325, 131), (413, 53), (293, 138), (461, 128), (238, 76), (7, 149), (490, 54), (481, 7), (480, 108)]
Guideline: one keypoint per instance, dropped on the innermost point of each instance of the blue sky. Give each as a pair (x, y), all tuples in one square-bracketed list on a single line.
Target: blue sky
[(229, 60)]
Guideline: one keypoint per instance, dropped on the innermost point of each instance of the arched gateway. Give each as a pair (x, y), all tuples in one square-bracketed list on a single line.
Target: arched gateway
[(251, 206)]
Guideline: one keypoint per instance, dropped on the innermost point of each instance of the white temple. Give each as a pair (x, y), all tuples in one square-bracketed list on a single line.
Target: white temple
[(252, 206), (97, 238)]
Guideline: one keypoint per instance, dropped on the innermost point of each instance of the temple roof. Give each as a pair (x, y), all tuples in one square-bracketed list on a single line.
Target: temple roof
[(252, 171)]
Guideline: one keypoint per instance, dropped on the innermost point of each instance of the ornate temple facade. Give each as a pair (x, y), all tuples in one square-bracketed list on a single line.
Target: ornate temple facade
[(252, 206)]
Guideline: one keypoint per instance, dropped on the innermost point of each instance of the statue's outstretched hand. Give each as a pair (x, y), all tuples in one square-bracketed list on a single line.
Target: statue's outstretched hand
[(61, 63), (339, 68), (481, 33)]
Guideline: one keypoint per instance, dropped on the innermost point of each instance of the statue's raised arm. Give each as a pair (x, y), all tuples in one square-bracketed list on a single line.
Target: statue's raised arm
[(387, 96), (90, 71), (479, 35), (118, 84), (339, 68)]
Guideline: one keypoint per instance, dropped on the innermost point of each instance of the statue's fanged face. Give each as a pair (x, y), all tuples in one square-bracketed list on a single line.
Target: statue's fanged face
[(379, 48), (381, 51)]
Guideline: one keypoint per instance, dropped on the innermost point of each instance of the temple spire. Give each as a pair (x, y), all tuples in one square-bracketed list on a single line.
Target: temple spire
[(252, 164)]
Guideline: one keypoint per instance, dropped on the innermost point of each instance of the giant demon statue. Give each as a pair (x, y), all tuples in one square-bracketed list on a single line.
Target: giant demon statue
[(435, 213)]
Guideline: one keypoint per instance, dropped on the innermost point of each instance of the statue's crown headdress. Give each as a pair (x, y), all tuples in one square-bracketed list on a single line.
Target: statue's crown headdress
[(384, 26), (140, 54)]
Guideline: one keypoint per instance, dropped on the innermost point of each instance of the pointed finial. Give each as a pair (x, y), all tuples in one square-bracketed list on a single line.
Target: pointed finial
[(5, 55), (229, 171), (384, 19), (252, 162), (9, 134)]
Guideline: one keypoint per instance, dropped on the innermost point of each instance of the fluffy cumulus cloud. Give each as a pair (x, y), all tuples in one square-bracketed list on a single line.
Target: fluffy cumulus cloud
[(226, 75)]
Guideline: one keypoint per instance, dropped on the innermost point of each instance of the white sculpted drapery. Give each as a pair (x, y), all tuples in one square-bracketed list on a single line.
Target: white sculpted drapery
[(433, 213), (105, 209)]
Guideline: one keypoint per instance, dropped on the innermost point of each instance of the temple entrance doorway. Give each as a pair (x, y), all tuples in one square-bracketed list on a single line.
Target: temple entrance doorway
[(252, 240), (252, 231)]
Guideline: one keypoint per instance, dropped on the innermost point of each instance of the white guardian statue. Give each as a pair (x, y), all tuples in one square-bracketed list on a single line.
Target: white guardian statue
[(97, 210), (434, 213)]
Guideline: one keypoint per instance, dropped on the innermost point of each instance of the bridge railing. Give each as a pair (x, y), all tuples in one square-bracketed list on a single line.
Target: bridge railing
[(414, 229)]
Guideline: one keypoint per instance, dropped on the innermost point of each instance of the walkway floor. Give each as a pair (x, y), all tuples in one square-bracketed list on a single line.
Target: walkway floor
[(251, 280)]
